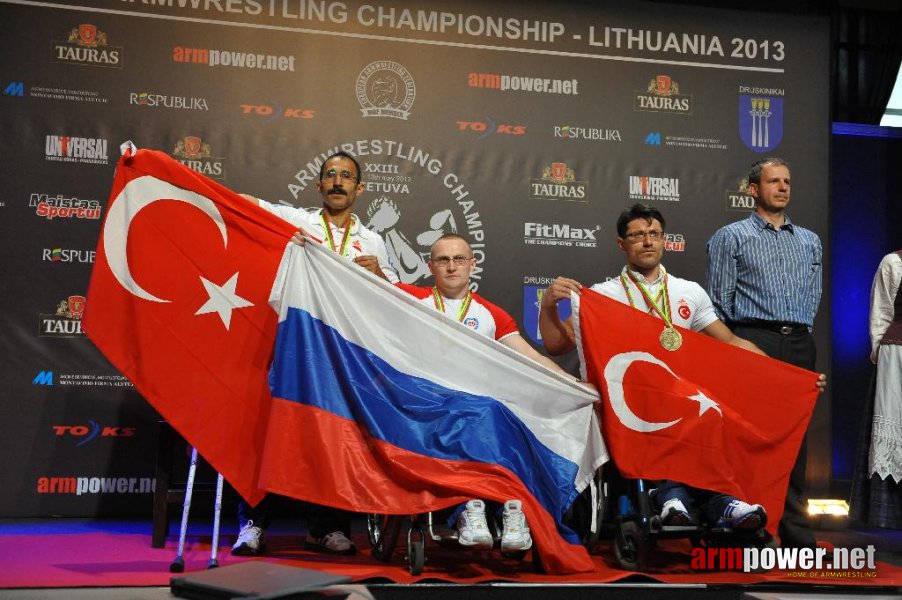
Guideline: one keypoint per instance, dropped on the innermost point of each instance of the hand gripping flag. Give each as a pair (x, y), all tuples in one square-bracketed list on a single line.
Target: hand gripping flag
[(709, 415), (382, 404), (178, 303)]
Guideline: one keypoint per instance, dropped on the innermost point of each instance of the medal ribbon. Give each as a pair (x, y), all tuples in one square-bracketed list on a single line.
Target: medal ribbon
[(663, 310), (345, 237), (440, 303)]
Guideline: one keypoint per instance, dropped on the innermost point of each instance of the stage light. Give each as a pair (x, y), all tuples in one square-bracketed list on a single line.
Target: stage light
[(828, 513)]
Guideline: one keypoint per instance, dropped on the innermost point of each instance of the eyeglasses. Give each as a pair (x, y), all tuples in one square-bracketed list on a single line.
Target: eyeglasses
[(444, 261), (638, 236), (344, 175)]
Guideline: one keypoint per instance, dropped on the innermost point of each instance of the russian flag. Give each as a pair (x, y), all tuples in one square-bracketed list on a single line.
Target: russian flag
[(382, 404)]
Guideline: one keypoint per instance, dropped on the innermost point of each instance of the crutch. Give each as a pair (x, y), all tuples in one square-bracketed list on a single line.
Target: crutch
[(178, 565), (217, 512)]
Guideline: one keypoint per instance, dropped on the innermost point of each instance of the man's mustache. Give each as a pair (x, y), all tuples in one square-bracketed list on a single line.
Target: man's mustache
[(338, 190)]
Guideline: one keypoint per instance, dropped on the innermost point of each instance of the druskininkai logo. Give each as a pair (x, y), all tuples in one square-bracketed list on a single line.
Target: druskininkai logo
[(820, 563)]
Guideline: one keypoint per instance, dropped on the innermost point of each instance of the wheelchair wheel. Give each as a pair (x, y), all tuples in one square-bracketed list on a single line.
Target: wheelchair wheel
[(383, 532), (631, 547), (416, 550)]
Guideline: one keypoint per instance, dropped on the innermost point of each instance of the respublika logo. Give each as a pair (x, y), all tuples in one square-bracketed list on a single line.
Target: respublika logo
[(558, 182), (52, 207), (556, 234), (761, 121), (533, 290), (522, 83), (275, 112), (152, 100), (644, 189), (592, 134), (88, 433), (663, 95), (66, 321), (739, 199), (196, 154), (87, 46), (385, 89), (67, 255), (65, 148), (820, 563), (490, 127)]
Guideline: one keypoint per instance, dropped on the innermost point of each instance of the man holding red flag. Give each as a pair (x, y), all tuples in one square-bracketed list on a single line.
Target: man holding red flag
[(644, 284)]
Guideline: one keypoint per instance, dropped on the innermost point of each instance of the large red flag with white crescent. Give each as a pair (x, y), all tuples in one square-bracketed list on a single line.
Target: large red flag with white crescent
[(710, 415), (178, 302)]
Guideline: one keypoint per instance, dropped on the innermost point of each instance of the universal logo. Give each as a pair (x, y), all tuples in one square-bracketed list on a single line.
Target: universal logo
[(663, 95), (644, 189), (87, 46), (385, 89)]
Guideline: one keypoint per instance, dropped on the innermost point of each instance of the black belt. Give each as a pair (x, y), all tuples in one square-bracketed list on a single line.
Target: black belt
[(781, 328)]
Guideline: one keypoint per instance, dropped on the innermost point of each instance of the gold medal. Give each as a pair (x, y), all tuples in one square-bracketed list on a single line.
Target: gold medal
[(671, 339)]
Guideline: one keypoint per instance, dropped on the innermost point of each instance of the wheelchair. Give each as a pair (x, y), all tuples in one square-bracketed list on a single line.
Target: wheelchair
[(638, 527), (584, 517)]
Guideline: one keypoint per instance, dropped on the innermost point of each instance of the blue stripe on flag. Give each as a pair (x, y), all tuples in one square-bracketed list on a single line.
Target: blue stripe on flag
[(412, 413)]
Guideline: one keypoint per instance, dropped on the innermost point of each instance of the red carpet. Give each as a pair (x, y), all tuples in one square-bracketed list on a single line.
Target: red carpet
[(95, 556)]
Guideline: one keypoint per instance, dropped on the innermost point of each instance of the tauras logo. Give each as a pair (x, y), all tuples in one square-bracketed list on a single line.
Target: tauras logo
[(88, 46), (558, 182), (66, 322), (662, 94), (557, 234), (195, 154), (739, 199)]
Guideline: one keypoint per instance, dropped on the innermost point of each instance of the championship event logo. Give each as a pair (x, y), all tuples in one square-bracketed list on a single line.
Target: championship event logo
[(385, 89)]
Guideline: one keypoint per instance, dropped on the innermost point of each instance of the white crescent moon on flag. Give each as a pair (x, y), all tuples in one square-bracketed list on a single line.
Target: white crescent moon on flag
[(614, 373), (137, 194)]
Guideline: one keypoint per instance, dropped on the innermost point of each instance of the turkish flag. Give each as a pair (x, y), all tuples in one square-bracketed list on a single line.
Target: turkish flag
[(709, 415), (178, 302)]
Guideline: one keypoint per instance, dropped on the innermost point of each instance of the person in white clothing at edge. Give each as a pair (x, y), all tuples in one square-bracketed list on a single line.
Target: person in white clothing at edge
[(451, 262), (339, 185), (644, 284)]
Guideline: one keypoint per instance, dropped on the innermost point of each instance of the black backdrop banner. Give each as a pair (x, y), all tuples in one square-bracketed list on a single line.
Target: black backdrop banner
[(526, 128)]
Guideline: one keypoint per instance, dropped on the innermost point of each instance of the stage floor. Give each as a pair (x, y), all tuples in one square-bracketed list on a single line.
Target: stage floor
[(81, 558)]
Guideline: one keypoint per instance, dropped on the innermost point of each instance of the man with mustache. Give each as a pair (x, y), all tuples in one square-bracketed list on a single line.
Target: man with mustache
[(764, 278), (339, 185)]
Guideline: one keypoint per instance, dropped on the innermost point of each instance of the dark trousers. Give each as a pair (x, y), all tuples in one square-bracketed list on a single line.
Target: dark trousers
[(796, 349), (321, 520), (703, 505)]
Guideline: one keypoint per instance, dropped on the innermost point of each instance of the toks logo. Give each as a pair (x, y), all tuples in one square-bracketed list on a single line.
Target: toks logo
[(489, 127), (87, 433), (195, 154), (558, 182), (273, 113), (87, 46), (663, 95)]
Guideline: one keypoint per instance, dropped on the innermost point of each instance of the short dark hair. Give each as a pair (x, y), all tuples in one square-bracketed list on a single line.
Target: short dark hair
[(639, 210), (341, 154), (450, 236), (758, 166)]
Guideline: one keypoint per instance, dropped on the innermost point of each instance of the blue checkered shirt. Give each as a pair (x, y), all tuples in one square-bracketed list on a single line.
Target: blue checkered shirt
[(756, 272)]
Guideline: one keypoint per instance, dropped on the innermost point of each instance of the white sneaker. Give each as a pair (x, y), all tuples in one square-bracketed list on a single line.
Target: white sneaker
[(741, 515), (472, 528), (674, 513), (331, 543), (515, 530), (251, 541)]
